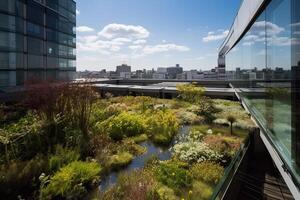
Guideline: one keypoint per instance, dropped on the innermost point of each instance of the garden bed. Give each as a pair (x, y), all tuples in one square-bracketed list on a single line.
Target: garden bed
[(121, 147)]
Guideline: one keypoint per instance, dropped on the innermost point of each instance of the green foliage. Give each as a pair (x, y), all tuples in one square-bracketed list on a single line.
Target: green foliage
[(115, 109), (207, 109), (191, 152), (201, 191), (162, 126), (209, 172), (225, 145), (173, 176), (62, 157), (137, 184), (140, 138), (190, 92), (165, 193), (21, 177), (21, 139), (71, 181), (231, 119), (120, 160), (125, 125)]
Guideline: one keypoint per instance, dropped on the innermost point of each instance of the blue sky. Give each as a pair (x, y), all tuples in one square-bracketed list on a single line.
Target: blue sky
[(151, 33)]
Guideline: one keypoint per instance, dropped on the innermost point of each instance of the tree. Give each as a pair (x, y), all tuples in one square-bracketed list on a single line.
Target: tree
[(231, 119), (190, 92)]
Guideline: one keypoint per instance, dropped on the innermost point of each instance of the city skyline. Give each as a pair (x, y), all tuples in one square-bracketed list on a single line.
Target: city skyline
[(155, 34)]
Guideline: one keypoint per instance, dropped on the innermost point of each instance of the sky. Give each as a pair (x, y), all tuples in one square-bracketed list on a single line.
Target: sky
[(151, 33)]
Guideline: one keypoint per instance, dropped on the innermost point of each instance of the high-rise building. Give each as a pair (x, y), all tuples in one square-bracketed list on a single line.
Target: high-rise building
[(121, 69), (37, 40), (173, 71), (265, 38)]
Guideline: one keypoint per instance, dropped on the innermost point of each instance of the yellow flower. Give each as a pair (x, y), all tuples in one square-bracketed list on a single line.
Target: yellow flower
[(190, 192), (173, 174)]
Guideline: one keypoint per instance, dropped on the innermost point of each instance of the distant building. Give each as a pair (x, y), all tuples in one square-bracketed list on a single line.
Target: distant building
[(194, 75), (126, 75), (159, 75), (123, 68), (174, 71)]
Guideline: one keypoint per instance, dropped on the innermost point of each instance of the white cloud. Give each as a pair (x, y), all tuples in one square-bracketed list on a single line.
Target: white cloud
[(121, 30), (248, 43), (84, 29), (259, 28), (121, 40), (164, 48), (140, 41), (213, 36), (77, 12), (135, 47)]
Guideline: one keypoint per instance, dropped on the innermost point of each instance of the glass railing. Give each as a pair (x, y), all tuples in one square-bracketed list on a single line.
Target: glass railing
[(222, 187)]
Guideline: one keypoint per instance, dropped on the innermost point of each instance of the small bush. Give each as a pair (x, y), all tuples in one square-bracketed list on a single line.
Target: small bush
[(190, 92), (173, 176), (125, 125), (201, 191), (71, 181), (208, 172), (165, 193), (115, 109), (195, 152), (137, 185), (140, 138), (162, 126), (62, 157), (223, 144), (120, 160), (21, 177)]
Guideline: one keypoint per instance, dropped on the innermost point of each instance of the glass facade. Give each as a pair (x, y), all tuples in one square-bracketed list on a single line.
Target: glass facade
[(37, 38), (266, 60)]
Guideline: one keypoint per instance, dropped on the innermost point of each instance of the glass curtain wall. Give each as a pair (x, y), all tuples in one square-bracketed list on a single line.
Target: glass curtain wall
[(267, 59)]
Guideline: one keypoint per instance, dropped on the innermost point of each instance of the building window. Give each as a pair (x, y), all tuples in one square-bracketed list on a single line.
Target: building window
[(35, 62), (35, 13), (11, 41), (35, 30), (35, 46)]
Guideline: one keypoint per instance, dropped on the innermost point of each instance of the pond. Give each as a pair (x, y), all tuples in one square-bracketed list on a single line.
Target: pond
[(162, 153)]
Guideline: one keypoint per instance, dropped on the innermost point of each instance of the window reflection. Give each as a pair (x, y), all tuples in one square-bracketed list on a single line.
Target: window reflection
[(267, 58)]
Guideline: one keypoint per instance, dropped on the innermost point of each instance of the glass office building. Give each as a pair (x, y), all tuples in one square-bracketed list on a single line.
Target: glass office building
[(37, 40), (262, 55)]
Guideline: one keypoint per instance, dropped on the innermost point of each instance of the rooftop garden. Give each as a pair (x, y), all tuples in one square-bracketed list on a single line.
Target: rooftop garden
[(64, 142)]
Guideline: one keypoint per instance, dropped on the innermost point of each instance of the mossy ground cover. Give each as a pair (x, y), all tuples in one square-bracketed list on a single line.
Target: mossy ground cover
[(73, 155)]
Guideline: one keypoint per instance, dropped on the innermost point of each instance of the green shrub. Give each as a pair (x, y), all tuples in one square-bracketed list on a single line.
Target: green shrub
[(223, 144), (201, 191), (71, 181), (195, 152), (120, 160), (22, 177), (62, 157), (165, 193), (162, 126), (190, 92), (137, 184), (207, 109), (208, 172), (23, 139), (173, 176), (140, 138), (115, 109), (125, 125)]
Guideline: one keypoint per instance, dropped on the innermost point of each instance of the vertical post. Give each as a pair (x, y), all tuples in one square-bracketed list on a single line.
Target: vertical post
[(295, 83)]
